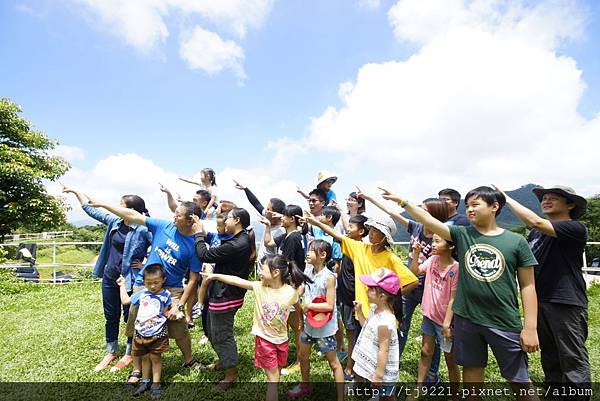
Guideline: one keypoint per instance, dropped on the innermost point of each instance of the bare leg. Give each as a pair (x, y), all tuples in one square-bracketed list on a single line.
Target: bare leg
[(350, 334), (146, 367), (185, 345), (453, 374), (272, 383), (304, 357), (473, 380), (338, 373), (156, 367), (427, 347)]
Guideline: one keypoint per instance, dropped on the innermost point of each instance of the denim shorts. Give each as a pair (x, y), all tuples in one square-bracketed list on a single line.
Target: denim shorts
[(346, 313), (470, 349), (325, 344)]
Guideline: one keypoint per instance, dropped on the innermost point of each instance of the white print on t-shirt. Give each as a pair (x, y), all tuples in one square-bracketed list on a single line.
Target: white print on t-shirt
[(149, 316), (484, 262), (165, 254)]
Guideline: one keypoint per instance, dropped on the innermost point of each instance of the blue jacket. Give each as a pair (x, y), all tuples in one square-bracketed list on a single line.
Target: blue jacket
[(136, 244)]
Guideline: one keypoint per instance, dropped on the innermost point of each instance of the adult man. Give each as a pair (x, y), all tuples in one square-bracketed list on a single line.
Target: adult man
[(173, 247), (558, 243), (452, 198)]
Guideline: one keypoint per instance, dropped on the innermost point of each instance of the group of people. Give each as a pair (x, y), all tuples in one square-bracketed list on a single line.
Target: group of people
[(330, 278)]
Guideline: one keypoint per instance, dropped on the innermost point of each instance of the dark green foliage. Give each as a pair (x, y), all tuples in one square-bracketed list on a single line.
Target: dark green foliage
[(24, 165)]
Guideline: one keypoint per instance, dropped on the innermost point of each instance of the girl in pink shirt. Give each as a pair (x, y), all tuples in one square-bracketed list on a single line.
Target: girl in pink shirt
[(441, 280)]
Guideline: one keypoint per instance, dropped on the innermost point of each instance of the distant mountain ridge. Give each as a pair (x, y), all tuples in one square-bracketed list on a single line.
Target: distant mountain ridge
[(507, 219)]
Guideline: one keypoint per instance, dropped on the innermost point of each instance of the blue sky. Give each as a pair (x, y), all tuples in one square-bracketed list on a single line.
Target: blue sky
[(316, 73)]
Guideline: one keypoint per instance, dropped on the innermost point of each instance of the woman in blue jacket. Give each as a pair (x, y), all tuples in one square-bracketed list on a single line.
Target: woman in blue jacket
[(122, 252)]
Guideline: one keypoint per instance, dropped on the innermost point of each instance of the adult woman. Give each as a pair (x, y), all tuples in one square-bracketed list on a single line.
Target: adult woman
[(355, 205), (235, 256), (122, 252)]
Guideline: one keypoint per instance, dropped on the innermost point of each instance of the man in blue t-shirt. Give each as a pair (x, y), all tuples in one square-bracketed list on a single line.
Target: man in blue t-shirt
[(172, 247)]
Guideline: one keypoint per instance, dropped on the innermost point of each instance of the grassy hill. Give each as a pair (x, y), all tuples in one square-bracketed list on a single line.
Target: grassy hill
[(61, 338)]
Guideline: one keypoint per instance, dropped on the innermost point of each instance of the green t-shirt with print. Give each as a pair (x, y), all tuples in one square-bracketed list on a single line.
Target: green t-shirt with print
[(487, 291)]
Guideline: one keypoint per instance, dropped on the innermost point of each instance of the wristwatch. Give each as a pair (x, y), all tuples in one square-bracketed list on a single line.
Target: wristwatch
[(180, 307)]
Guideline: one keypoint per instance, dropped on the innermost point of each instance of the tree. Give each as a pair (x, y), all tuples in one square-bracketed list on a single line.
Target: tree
[(591, 219), (24, 166)]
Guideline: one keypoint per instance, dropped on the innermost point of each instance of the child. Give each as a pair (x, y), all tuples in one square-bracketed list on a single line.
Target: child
[(329, 216), (375, 354), (291, 246), (322, 314), (274, 296), (150, 339), (208, 182), (345, 290), (486, 308), (441, 280), (325, 180), (368, 257)]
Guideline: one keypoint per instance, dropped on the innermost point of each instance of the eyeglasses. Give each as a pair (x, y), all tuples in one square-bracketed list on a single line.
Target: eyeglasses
[(314, 200)]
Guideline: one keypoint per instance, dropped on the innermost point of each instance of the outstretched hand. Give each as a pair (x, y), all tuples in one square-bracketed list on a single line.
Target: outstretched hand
[(363, 195), (308, 217), (264, 220), (92, 202), (239, 185), (164, 189), (387, 194)]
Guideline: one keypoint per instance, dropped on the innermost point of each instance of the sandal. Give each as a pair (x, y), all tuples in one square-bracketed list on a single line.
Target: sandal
[(194, 364), (144, 386), (155, 391), (129, 385)]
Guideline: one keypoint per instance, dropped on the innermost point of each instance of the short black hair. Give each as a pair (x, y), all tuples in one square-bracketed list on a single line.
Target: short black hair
[(360, 221), (277, 205), (332, 211), (204, 194), (488, 195), (154, 269), (318, 192), (452, 193), (191, 208)]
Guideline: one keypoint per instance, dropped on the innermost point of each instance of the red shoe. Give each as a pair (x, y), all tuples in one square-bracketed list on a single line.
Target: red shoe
[(108, 358), (300, 390)]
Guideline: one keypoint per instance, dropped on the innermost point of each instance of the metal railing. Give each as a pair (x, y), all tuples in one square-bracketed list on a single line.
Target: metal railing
[(590, 273), (46, 235)]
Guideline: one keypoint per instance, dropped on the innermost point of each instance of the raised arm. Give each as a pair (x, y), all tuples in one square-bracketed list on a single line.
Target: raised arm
[(420, 214), (392, 213), (190, 181), (80, 197), (529, 217), (98, 215), (414, 263), (129, 215), (170, 200), (229, 279), (329, 230), (301, 192), (251, 197), (268, 240)]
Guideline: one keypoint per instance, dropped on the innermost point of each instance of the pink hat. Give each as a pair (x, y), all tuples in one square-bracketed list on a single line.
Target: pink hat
[(382, 278), (318, 319)]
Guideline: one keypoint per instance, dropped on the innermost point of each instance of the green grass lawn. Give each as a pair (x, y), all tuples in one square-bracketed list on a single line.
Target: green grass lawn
[(56, 334)]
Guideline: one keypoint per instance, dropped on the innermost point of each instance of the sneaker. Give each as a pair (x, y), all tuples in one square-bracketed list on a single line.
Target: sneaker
[(144, 386), (293, 368), (300, 390), (108, 358), (197, 311)]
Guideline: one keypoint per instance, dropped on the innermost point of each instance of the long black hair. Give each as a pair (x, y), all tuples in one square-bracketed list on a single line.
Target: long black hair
[(244, 216), (395, 304), (136, 203), (211, 174), (290, 272), (319, 245)]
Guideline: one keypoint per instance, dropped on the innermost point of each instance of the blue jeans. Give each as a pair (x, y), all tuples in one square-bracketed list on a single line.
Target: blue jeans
[(111, 302), (409, 304)]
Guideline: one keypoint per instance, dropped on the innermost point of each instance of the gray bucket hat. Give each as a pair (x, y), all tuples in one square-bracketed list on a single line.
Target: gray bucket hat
[(566, 192), (386, 226)]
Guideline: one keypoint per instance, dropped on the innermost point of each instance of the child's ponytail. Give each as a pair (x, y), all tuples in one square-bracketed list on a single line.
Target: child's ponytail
[(290, 272), (396, 304)]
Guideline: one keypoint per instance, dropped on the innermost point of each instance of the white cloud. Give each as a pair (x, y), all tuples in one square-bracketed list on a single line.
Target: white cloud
[(122, 174), (139, 22), (207, 51), (142, 24), (69, 153), (485, 97)]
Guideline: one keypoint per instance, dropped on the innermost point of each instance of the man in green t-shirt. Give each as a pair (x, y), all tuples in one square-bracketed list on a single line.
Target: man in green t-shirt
[(486, 307)]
